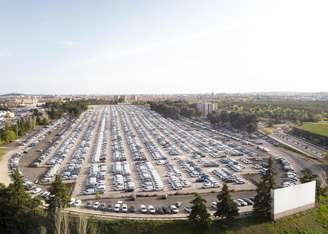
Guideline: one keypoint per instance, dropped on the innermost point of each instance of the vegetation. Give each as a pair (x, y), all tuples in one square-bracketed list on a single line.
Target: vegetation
[(57, 202), (320, 128), (175, 109), (226, 208), (311, 222), (263, 201), (12, 131), (199, 216), (72, 108), (236, 119), (41, 119), (281, 110), (19, 213)]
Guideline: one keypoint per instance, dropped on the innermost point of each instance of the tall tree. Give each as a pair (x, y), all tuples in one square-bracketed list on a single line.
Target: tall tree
[(226, 208), (262, 201), (19, 212), (199, 216), (59, 199)]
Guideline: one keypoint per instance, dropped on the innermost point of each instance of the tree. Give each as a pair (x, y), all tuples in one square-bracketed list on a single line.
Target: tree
[(262, 202), (59, 200), (226, 208), (199, 217), (251, 127), (19, 212), (8, 135)]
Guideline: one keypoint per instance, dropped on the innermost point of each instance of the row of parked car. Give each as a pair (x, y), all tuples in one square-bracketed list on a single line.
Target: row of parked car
[(135, 149), (100, 150), (121, 180), (96, 179), (120, 207), (31, 142), (73, 167), (65, 148), (290, 177)]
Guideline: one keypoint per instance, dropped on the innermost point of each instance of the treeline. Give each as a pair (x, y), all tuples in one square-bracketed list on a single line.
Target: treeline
[(278, 114), (244, 121), (72, 108), (175, 109), (278, 111), (101, 102)]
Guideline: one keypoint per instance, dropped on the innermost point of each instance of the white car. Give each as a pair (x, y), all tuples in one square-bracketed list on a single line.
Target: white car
[(89, 191), (143, 209), (124, 208), (117, 207), (96, 205), (174, 209), (77, 203), (151, 209)]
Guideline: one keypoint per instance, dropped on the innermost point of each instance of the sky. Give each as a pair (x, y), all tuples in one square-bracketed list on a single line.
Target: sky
[(163, 47)]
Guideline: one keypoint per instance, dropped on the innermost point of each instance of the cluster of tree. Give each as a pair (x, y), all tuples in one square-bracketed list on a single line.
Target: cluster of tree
[(241, 120), (40, 117), (175, 109), (278, 114), (72, 108), (292, 110), (12, 131), (226, 209), (101, 101), (20, 213)]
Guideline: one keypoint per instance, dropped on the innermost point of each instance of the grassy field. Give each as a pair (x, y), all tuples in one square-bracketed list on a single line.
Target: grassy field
[(314, 221), (320, 128)]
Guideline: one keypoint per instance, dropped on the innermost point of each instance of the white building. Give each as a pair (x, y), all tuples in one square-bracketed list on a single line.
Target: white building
[(205, 108)]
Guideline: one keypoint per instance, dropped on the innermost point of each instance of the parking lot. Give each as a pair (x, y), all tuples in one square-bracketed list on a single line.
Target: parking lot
[(122, 151)]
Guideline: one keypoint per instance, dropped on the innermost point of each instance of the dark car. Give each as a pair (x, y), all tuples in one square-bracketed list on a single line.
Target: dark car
[(159, 210), (131, 209), (110, 208)]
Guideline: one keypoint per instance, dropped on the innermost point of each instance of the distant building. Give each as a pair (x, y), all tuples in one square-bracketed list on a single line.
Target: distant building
[(205, 108), (19, 101), (133, 98)]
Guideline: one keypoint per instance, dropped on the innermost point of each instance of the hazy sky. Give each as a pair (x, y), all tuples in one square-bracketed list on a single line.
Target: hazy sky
[(155, 46)]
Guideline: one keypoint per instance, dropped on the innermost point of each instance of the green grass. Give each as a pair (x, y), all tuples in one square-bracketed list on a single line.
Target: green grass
[(314, 221), (320, 128)]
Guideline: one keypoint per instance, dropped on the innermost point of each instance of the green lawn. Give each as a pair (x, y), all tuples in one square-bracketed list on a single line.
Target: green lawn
[(314, 221), (320, 128)]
